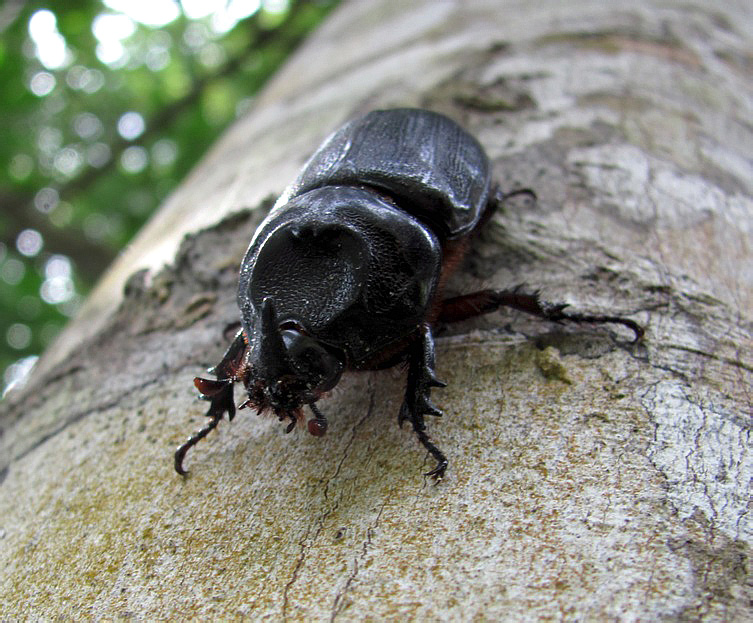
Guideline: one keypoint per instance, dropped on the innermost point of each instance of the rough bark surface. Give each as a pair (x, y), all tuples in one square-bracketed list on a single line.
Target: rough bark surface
[(589, 479)]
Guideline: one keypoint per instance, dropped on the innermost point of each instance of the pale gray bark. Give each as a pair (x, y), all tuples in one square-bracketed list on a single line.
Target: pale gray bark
[(589, 480)]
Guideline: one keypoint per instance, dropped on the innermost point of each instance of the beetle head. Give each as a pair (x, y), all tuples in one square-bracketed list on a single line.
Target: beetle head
[(289, 368)]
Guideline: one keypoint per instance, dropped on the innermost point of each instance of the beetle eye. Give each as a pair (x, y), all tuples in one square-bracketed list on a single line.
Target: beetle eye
[(310, 360)]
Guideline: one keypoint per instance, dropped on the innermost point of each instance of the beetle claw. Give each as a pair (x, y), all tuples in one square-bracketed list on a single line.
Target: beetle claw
[(433, 381), (403, 414), (438, 472), (441, 467), (428, 408)]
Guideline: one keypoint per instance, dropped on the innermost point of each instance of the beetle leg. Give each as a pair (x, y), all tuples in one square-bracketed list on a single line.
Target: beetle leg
[(232, 360), (486, 301), (180, 453), (417, 402), (497, 198), (220, 394)]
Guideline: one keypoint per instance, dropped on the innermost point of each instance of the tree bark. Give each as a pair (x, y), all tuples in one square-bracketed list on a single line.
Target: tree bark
[(589, 479)]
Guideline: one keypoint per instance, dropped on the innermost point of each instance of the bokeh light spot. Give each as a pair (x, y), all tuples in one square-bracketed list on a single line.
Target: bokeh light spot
[(42, 83), (49, 43), (58, 284), (49, 140), (134, 159), (110, 30), (21, 166), (46, 200), (87, 125), (196, 9), (157, 58), (12, 271), (98, 155), (57, 266), (131, 125), (56, 290), (18, 336), (211, 55), (149, 12), (231, 13), (29, 242), (195, 35), (84, 79), (164, 152), (68, 161)]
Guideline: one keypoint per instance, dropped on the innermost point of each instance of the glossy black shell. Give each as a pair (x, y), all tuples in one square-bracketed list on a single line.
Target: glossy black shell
[(344, 265), (352, 252), (426, 162)]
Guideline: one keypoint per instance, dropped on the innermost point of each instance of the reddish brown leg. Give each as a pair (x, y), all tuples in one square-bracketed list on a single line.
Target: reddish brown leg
[(486, 301)]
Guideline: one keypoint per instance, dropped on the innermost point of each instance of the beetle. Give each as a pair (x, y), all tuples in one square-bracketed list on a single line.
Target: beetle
[(348, 269)]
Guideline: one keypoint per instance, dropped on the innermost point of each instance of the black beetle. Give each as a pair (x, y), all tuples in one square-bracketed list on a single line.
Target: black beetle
[(347, 272)]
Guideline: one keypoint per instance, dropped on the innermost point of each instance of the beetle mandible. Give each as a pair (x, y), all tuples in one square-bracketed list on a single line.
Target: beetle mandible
[(347, 272)]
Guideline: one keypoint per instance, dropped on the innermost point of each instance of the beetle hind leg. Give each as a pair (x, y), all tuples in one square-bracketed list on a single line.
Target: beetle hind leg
[(486, 301), (417, 402)]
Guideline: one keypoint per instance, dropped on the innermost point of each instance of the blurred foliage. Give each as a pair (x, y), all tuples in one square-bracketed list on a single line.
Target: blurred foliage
[(106, 106)]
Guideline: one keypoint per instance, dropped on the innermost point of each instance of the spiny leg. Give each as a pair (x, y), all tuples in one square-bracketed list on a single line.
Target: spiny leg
[(486, 301), (220, 394), (180, 453), (417, 402)]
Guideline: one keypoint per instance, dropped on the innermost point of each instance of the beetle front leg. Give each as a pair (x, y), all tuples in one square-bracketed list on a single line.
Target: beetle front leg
[(220, 394), (417, 402)]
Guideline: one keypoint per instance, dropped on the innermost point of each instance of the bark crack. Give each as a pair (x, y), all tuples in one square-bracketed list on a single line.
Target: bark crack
[(696, 351), (338, 603), (76, 418), (304, 543)]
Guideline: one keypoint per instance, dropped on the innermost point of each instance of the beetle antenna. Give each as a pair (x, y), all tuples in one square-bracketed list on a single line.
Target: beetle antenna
[(180, 453)]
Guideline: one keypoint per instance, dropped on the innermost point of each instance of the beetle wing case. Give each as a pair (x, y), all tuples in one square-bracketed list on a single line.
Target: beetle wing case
[(433, 168), (345, 266)]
